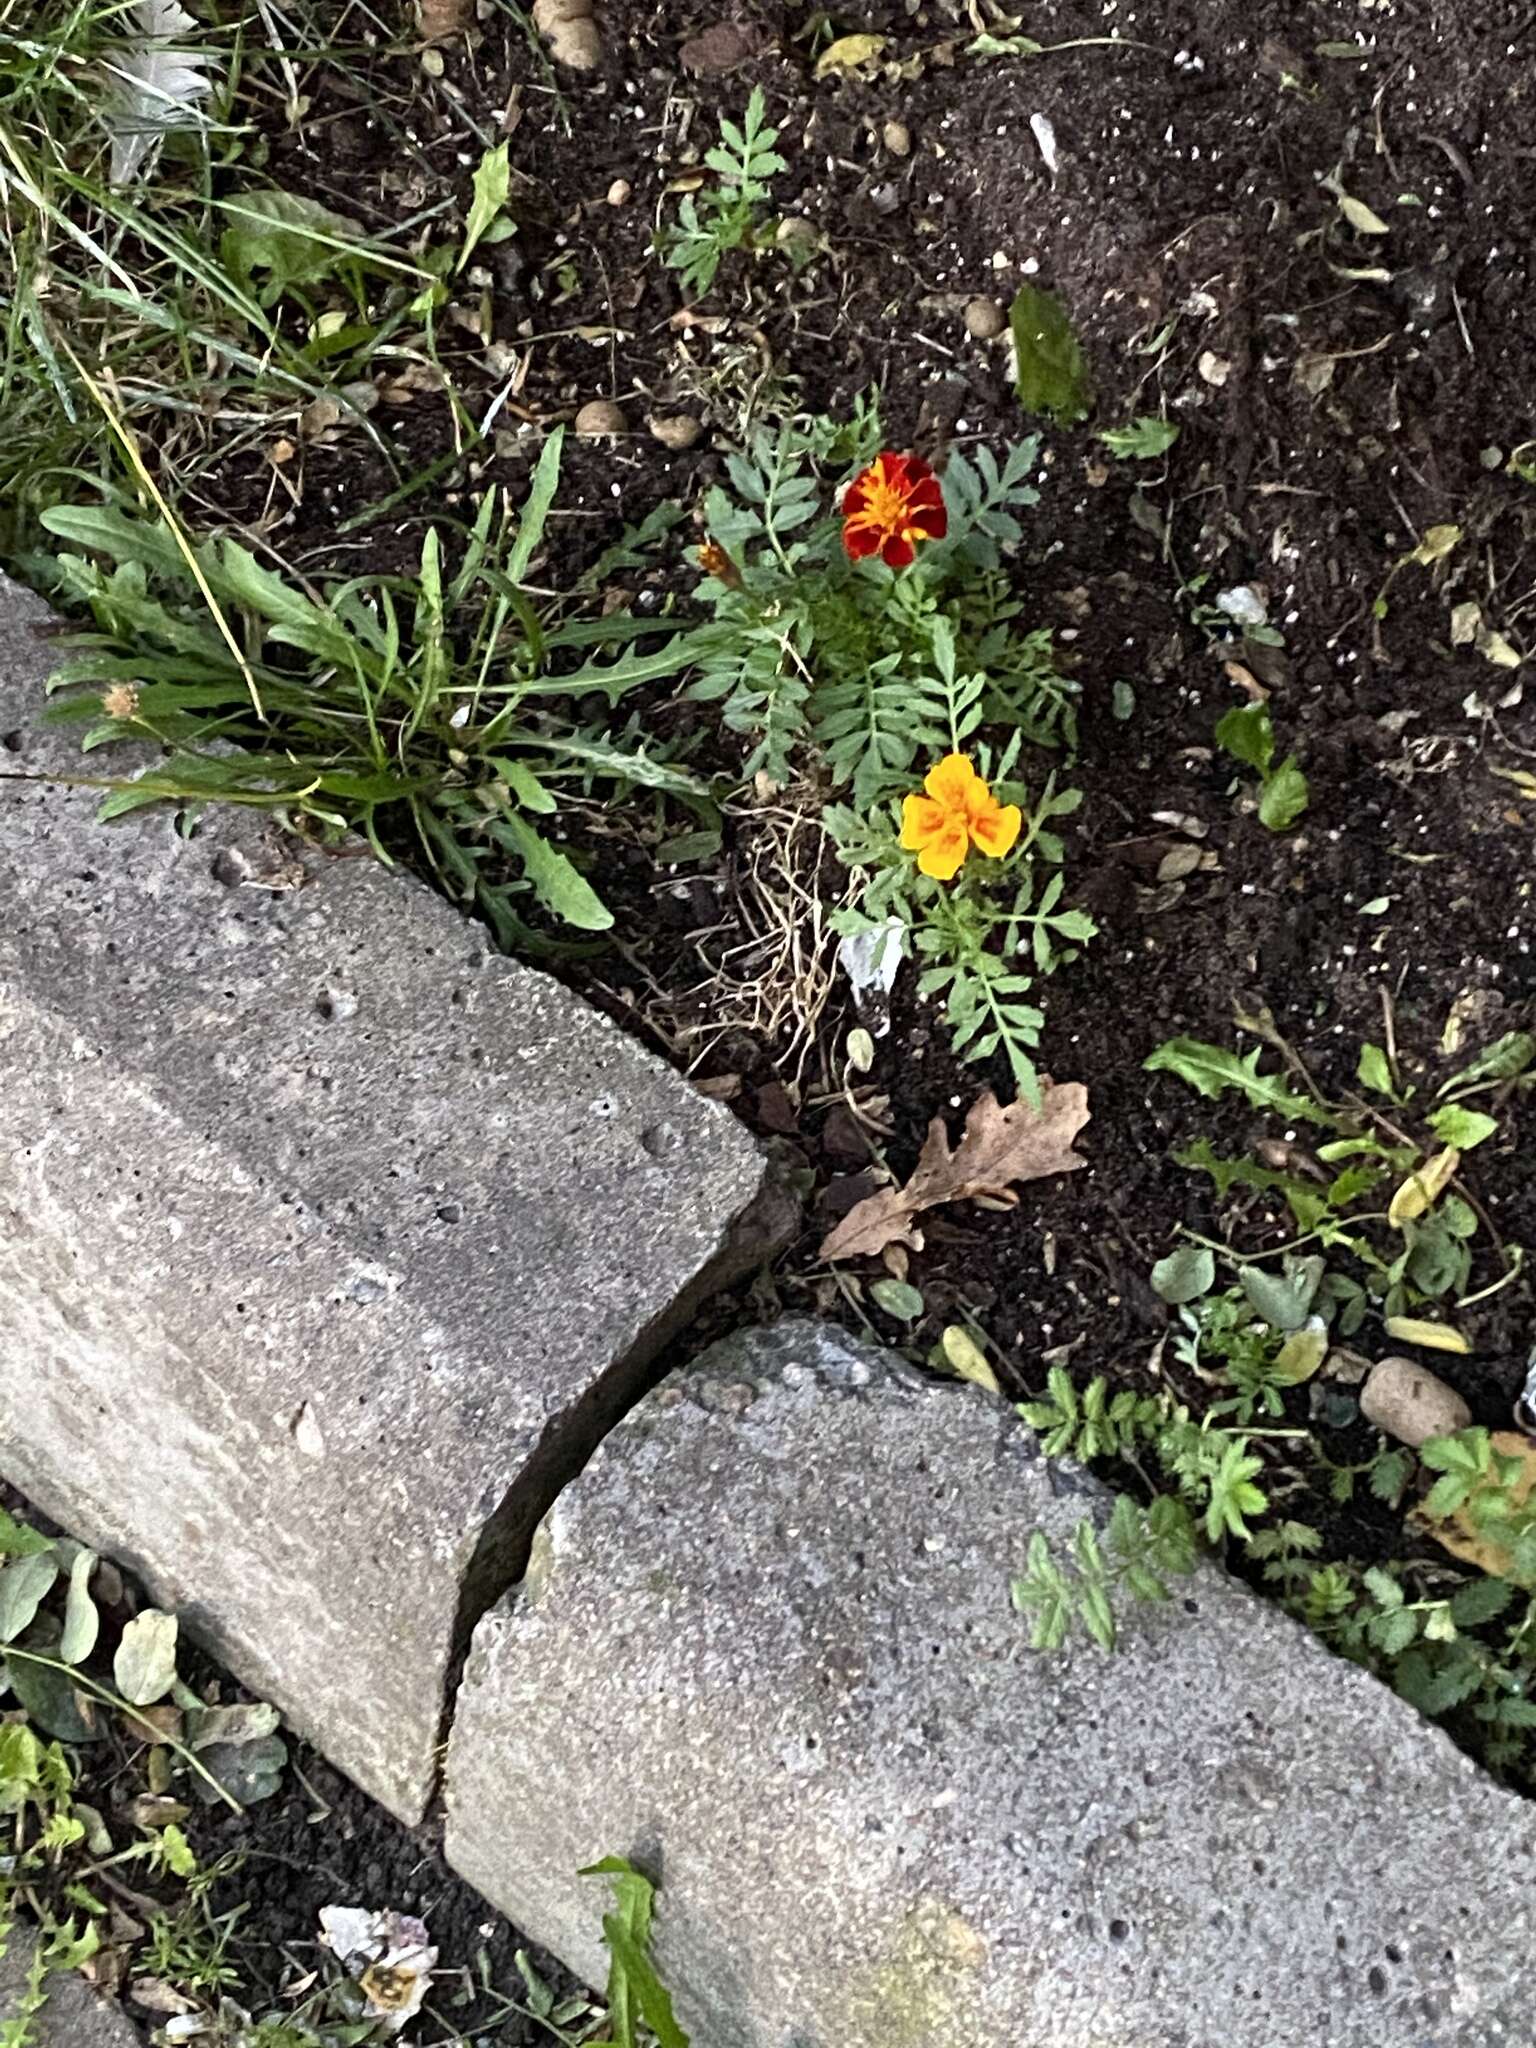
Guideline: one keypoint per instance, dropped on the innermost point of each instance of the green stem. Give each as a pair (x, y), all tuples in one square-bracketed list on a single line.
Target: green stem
[(106, 1698)]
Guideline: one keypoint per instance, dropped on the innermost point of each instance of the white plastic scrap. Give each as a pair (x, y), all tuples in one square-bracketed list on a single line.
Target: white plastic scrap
[(1243, 605), (389, 1955), (871, 960), (156, 86), (1045, 135)]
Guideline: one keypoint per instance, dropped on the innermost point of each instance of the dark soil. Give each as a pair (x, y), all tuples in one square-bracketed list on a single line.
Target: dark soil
[(1208, 272)]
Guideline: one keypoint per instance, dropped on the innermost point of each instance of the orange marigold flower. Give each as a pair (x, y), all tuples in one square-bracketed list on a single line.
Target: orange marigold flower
[(958, 812), (714, 561), (891, 506)]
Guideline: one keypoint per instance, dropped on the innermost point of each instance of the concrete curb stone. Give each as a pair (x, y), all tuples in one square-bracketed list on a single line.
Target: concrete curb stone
[(766, 1649), (329, 1239), (74, 2016)]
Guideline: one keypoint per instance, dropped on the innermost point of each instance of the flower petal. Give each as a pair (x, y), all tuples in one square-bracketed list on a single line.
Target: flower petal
[(944, 855), (951, 781), (898, 552), (996, 830), (921, 820), (860, 539)]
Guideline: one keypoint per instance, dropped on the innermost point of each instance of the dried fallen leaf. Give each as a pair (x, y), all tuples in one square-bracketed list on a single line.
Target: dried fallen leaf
[(1361, 217), (848, 53), (1428, 1336), (1423, 1188), (998, 1149), (1438, 542), (719, 48), (966, 1358), (1458, 1532)]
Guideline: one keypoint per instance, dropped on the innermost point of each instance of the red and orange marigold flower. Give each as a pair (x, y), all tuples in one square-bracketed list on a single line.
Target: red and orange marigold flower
[(890, 507), (957, 812)]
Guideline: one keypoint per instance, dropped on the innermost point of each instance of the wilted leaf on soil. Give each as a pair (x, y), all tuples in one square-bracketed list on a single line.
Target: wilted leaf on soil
[(1423, 1188), (145, 1664), (1361, 217), (1052, 372), (999, 1149), (1429, 1336), (966, 1358), (1438, 542), (849, 53)]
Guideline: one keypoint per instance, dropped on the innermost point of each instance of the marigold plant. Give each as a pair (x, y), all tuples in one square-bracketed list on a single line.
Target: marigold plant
[(890, 507), (957, 811)]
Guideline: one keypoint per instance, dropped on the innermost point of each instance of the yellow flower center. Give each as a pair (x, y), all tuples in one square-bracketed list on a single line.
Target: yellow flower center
[(886, 507)]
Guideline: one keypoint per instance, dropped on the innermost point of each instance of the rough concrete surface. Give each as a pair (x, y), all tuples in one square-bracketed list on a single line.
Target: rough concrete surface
[(316, 1217), (766, 1648), (74, 2017)]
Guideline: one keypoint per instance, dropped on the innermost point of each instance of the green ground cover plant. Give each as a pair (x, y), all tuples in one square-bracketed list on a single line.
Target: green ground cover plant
[(1387, 1236)]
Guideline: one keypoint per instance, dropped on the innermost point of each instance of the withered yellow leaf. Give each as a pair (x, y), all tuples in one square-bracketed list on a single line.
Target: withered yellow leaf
[(1423, 1187), (967, 1358), (1429, 1336), (848, 53), (1437, 543)]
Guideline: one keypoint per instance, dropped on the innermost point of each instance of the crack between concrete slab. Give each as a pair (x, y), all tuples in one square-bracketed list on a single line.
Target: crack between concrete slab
[(500, 1557)]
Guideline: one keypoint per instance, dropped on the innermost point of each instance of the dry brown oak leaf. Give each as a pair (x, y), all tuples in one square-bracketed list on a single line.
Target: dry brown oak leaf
[(998, 1149)]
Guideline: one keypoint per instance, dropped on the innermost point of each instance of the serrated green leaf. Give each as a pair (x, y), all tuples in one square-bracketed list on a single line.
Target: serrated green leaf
[(556, 882), (1480, 1600), (1213, 1069), (1461, 1128), (492, 183), (1504, 1060), (1143, 439)]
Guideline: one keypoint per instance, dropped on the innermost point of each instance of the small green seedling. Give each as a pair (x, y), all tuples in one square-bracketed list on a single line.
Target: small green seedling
[(1247, 733)]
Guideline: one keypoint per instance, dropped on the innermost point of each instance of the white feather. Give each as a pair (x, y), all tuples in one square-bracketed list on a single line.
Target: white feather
[(157, 86)]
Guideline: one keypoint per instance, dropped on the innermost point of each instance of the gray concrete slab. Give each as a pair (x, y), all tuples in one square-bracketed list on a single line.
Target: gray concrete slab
[(73, 2016), (328, 1237), (767, 1650)]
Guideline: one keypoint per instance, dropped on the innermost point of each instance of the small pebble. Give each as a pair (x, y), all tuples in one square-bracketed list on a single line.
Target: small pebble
[(675, 430), (897, 137), (600, 416), (1405, 1400), (795, 233), (620, 192), (984, 319)]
